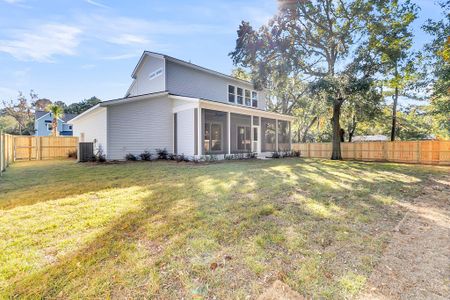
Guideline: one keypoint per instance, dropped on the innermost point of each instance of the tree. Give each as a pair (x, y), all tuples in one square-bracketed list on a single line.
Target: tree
[(323, 40), (41, 104), (8, 124), (391, 37), (438, 70), (79, 107), (57, 112), (21, 111)]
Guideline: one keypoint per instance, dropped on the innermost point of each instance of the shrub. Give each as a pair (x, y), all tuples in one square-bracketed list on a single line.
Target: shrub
[(100, 156), (162, 153), (130, 157), (145, 155), (172, 156), (296, 153), (276, 154), (182, 157), (251, 155)]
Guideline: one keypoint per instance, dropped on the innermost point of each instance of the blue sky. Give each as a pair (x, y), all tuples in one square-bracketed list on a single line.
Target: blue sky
[(72, 50)]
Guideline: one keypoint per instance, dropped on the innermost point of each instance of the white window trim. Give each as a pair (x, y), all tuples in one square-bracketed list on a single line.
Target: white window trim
[(236, 87)]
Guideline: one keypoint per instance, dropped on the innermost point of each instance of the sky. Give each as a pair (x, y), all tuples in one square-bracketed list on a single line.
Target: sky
[(70, 50)]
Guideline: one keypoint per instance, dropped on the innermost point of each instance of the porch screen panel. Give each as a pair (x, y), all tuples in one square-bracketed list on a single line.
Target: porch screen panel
[(284, 141), (240, 133), (268, 137), (214, 132)]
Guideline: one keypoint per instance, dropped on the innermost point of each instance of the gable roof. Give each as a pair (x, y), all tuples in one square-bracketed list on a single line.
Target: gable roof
[(184, 63)]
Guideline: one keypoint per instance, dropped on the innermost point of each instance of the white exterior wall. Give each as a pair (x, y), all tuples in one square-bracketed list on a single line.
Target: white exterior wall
[(143, 84), (185, 132), (93, 127), (135, 127)]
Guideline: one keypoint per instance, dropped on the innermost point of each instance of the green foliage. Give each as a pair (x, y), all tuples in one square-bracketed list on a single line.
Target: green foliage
[(8, 124), (79, 107)]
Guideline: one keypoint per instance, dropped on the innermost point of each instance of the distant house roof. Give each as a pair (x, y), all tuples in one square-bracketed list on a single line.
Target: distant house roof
[(66, 118), (369, 138)]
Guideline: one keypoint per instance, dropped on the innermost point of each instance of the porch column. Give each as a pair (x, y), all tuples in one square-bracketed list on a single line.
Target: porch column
[(251, 134), (229, 132), (276, 135), (199, 131)]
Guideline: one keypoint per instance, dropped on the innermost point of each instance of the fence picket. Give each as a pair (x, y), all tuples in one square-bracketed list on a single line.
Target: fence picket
[(417, 152)]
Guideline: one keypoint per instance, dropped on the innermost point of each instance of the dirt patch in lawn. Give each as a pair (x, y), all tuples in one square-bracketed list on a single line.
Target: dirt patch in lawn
[(416, 263)]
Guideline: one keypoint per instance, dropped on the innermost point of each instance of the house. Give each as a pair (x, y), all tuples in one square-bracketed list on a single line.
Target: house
[(186, 109), (43, 124)]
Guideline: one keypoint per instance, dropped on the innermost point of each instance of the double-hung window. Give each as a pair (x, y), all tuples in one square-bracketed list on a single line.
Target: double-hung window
[(231, 93), (240, 95), (254, 99), (247, 98)]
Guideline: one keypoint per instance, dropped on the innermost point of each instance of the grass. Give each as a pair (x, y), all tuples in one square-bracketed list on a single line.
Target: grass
[(224, 230)]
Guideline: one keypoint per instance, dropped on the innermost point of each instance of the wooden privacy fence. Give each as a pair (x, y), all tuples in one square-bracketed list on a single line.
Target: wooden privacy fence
[(417, 152), (23, 147), (6, 151)]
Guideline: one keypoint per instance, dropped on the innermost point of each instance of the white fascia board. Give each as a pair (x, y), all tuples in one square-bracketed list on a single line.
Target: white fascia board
[(84, 113), (146, 53), (133, 99)]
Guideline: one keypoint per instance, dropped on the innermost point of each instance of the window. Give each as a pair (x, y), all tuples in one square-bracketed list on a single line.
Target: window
[(240, 95), (243, 138), (70, 127), (50, 127), (231, 93), (254, 99), (213, 137), (247, 98)]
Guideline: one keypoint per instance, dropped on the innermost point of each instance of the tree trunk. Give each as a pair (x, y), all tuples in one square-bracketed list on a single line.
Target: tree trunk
[(305, 132), (394, 115), (336, 152), (54, 126), (351, 129)]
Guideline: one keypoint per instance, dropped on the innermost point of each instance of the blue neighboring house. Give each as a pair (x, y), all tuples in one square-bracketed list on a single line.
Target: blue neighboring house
[(43, 124)]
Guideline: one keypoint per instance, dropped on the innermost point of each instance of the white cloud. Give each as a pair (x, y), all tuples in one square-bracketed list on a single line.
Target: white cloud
[(95, 3), (43, 43), (122, 56), (127, 39)]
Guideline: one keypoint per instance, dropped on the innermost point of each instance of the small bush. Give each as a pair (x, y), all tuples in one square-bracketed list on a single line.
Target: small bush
[(162, 153), (251, 155), (131, 157), (181, 158), (276, 154), (171, 156), (296, 153), (100, 156), (145, 156)]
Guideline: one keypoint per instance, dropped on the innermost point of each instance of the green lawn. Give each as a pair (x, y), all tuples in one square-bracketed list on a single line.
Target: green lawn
[(168, 230)]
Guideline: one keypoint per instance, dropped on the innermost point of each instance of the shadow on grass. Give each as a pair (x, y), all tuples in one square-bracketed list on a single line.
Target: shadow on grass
[(246, 207)]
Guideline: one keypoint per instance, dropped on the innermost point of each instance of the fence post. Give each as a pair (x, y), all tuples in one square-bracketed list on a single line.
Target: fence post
[(2, 153), (309, 149), (418, 152)]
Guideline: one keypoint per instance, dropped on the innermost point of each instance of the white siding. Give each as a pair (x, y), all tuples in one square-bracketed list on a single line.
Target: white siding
[(139, 126), (143, 84), (92, 126), (185, 132)]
